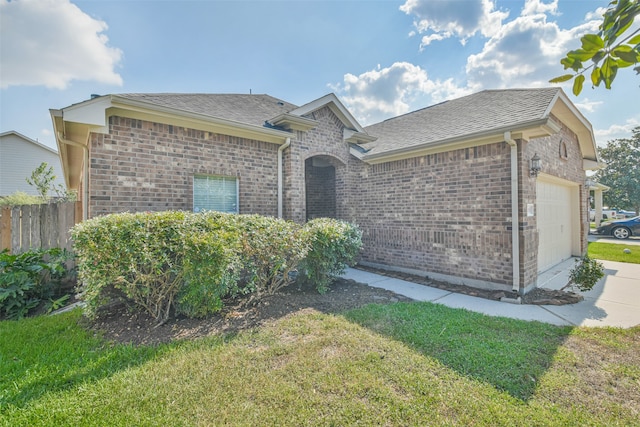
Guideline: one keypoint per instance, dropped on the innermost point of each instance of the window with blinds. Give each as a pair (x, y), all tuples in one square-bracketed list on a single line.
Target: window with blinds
[(215, 193)]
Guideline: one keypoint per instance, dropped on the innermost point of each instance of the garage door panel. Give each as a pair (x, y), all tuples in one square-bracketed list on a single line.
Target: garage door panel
[(554, 209)]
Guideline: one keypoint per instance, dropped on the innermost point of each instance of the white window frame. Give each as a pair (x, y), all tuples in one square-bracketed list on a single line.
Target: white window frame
[(212, 181)]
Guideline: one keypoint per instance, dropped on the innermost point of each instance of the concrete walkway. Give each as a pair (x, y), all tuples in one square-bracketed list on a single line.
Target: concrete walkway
[(614, 301)]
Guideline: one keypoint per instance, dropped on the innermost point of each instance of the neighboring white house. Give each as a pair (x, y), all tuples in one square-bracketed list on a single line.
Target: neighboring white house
[(19, 156)]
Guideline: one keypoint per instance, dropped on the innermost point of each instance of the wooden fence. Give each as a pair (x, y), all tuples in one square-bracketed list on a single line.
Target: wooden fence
[(38, 226)]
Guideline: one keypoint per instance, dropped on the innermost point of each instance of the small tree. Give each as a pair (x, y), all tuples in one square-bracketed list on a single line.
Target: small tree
[(43, 179)]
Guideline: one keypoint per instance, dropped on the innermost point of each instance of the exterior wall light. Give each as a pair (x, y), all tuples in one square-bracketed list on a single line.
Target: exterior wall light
[(535, 165)]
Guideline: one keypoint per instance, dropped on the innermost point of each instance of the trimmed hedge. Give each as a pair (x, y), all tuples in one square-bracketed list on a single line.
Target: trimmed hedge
[(188, 263), (334, 246)]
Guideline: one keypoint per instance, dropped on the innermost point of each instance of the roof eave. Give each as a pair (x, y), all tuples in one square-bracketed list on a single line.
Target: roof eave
[(352, 136), (292, 122), (168, 112), (531, 129), (330, 100)]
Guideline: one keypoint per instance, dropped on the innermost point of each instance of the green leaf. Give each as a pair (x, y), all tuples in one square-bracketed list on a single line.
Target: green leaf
[(596, 76), (577, 84), (629, 56), (598, 56), (624, 23), (634, 40), (571, 63), (592, 42), (561, 79), (580, 55), (622, 48), (607, 68), (609, 71)]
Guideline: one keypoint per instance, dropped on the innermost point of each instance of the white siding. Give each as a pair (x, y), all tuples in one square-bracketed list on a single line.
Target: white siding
[(19, 156)]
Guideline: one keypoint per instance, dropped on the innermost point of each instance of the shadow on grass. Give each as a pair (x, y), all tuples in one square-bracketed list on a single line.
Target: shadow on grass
[(51, 354), (509, 354)]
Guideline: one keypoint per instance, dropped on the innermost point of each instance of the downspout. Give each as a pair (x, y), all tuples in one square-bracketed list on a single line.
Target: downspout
[(85, 173), (515, 224), (280, 174)]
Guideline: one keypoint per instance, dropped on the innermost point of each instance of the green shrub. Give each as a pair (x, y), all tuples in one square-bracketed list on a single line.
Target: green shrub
[(159, 261), (19, 198), (31, 279), (585, 274), (210, 273), (334, 245), (191, 262), (270, 250)]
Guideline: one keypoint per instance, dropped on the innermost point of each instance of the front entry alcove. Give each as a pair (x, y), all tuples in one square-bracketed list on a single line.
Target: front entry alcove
[(320, 186)]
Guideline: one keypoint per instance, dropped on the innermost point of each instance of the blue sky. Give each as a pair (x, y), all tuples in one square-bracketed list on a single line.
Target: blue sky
[(381, 58)]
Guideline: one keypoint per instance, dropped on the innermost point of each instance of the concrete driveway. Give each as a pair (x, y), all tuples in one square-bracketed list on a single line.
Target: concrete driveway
[(614, 301)]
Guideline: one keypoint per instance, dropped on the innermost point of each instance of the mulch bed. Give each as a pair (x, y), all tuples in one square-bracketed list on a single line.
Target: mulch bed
[(121, 324)]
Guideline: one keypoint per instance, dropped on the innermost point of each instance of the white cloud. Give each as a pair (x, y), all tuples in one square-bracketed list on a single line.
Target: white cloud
[(523, 52), (51, 43), (447, 18), (616, 131), (588, 105), (386, 92), (526, 51), (532, 7), (426, 40)]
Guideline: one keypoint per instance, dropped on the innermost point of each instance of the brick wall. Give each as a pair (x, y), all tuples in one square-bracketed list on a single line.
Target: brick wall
[(145, 166), (561, 161), (448, 213), (325, 141)]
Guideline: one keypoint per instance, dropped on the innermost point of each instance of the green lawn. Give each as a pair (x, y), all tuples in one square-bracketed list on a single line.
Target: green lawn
[(614, 252), (399, 364)]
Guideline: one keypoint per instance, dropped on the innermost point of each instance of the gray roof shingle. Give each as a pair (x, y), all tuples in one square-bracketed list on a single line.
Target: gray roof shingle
[(242, 108), (474, 114)]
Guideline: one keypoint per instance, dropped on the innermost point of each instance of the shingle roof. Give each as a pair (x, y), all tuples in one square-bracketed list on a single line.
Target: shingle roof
[(474, 114), (242, 108)]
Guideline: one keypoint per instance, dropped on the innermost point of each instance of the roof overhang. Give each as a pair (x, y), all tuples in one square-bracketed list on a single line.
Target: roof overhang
[(333, 103), (352, 136), (73, 126), (529, 130), (291, 122), (562, 108), (596, 186)]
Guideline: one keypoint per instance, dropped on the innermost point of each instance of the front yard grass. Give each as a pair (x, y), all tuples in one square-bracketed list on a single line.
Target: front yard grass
[(614, 252), (398, 364)]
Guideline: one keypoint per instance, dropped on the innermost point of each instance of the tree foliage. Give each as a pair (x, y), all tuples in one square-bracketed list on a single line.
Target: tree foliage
[(615, 46), (43, 179), (622, 172)]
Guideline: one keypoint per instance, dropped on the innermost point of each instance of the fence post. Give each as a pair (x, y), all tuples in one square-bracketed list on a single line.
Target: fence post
[(5, 229)]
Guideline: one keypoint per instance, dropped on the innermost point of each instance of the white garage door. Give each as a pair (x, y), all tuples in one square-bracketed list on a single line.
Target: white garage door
[(555, 226)]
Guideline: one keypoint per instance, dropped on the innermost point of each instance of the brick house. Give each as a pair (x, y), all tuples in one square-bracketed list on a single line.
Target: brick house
[(435, 191)]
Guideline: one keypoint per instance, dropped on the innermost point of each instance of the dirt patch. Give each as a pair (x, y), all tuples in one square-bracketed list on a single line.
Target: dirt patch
[(120, 324)]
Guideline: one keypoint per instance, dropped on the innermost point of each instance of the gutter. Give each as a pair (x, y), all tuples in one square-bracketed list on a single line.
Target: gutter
[(85, 163), (515, 224), (281, 173), (85, 173)]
